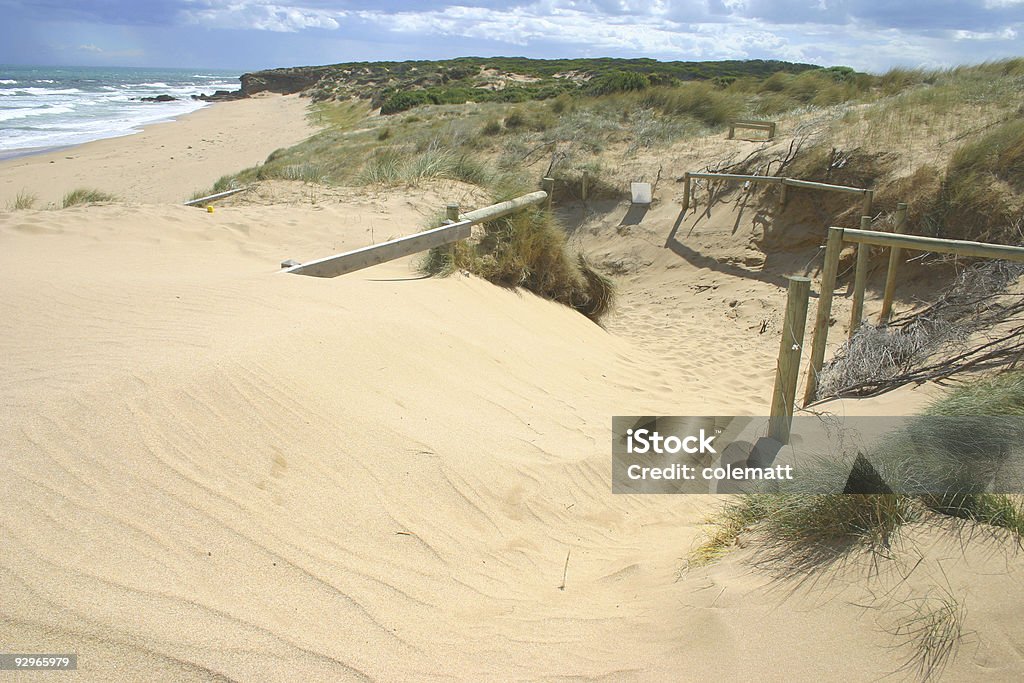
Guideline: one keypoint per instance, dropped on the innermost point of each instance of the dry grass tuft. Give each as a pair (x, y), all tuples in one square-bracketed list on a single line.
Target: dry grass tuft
[(85, 195)]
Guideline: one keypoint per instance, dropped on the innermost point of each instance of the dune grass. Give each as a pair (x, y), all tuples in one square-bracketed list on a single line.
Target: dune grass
[(528, 250), (84, 195), (931, 628), (23, 201), (804, 531)]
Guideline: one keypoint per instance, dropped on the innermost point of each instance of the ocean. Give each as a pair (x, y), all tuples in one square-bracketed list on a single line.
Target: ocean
[(48, 107)]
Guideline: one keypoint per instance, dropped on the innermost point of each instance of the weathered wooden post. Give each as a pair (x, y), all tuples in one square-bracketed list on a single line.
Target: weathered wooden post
[(782, 193), (586, 185), (686, 192), (828, 285), (732, 131), (549, 186), (787, 371), (771, 130), (867, 201), (894, 262), (451, 212), (860, 279)]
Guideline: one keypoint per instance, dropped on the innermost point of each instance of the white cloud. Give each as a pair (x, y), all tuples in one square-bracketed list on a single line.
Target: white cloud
[(663, 29), (89, 48), (262, 16)]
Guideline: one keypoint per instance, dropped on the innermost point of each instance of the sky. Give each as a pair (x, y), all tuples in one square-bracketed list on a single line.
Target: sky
[(247, 35)]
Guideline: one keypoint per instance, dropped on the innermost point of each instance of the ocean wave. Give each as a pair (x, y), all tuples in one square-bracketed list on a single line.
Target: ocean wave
[(40, 91), (23, 112), (157, 84), (7, 81), (44, 80)]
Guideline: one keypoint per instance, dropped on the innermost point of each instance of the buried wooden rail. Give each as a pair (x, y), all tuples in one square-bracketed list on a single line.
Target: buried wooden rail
[(895, 240), (784, 183), (220, 195), (767, 126), (350, 261), (787, 372)]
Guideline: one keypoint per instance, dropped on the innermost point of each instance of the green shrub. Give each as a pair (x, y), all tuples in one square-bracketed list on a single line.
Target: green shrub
[(527, 249), (619, 81)]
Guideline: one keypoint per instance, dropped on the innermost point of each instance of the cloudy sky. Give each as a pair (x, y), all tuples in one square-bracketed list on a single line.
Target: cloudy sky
[(253, 34)]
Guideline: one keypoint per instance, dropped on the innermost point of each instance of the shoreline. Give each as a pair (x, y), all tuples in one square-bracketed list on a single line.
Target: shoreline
[(21, 152), (165, 161)]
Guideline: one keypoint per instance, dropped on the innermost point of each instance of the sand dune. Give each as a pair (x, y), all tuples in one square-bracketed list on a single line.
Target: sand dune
[(213, 471)]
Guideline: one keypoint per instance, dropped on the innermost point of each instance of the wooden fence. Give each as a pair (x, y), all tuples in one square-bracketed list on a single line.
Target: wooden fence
[(766, 126), (867, 196), (864, 238), (458, 228)]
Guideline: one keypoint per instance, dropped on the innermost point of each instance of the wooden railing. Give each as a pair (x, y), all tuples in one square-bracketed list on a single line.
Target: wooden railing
[(783, 183), (864, 238), (766, 126)]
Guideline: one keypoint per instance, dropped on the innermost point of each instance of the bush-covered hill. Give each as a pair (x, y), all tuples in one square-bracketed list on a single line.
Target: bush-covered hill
[(397, 86)]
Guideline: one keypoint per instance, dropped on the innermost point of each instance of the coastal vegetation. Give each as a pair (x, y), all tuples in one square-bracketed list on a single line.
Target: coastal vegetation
[(85, 195), (810, 531), (24, 200), (502, 124)]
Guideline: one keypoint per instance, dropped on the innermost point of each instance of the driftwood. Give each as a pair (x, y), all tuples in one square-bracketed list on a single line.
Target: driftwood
[(932, 343)]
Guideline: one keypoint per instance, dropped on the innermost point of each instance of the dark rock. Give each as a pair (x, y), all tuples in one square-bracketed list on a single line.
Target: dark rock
[(221, 96), (284, 81), (159, 98)]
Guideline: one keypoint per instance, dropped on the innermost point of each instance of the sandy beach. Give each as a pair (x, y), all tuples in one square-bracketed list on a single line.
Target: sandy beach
[(164, 162), (213, 471)]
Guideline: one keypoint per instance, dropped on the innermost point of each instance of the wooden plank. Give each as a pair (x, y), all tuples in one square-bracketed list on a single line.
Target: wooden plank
[(219, 195), (935, 244), (736, 176), (686, 192), (894, 262), (860, 280), (828, 285), (787, 371), (350, 261), (822, 186)]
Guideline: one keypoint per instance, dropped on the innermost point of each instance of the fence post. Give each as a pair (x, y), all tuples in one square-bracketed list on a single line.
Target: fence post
[(860, 279), (686, 191), (787, 371), (894, 261), (586, 184), (782, 193), (866, 202), (828, 285), (451, 212), (732, 131), (549, 186)]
